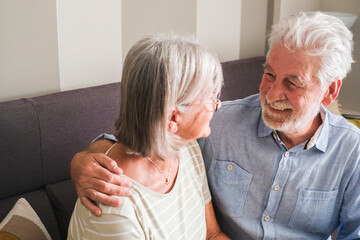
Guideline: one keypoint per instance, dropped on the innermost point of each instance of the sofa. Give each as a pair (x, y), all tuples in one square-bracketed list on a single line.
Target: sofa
[(40, 135)]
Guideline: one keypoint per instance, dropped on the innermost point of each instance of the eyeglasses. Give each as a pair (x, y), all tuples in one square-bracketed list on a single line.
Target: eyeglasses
[(215, 102)]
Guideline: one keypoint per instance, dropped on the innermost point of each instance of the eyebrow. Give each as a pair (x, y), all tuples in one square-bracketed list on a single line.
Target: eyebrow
[(267, 66), (296, 77)]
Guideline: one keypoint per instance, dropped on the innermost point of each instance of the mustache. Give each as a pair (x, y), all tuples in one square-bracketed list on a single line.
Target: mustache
[(279, 105)]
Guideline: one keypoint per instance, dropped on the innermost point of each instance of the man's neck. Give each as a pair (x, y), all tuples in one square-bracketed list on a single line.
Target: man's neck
[(294, 138)]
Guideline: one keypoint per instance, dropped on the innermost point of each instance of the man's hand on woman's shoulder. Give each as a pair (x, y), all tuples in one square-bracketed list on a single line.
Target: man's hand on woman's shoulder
[(97, 177)]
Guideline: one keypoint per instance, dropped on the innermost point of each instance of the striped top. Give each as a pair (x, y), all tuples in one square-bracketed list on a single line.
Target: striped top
[(179, 214)]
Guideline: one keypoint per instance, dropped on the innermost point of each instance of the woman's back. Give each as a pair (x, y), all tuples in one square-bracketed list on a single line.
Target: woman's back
[(179, 214)]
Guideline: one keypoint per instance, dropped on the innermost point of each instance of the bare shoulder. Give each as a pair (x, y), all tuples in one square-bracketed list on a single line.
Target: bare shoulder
[(100, 146)]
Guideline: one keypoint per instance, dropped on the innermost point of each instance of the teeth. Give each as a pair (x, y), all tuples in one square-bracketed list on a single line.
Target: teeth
[(279, 106)]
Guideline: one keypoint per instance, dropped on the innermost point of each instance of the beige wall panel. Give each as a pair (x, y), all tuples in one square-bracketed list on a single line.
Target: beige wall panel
[(28, 48), (144, 17), (218, 27), (253, 28), (89, 42)]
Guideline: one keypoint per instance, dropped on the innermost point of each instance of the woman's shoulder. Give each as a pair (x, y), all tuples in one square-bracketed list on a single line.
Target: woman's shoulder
[(192, 146), (85, 216), (191, 154)]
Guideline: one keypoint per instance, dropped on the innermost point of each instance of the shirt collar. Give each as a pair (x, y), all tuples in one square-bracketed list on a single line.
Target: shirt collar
[(263, 130), (320, 138), (312, 141), (323, 137)]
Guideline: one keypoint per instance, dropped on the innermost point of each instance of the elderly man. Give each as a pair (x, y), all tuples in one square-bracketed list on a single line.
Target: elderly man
[(282, 167)]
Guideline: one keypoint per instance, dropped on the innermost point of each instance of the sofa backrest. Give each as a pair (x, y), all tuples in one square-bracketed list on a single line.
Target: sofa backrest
[(242, 77), (39, 136)]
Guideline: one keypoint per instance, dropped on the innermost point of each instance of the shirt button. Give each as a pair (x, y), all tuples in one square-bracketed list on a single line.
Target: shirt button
[(276, 187), (230, 167), (267, 218), (287, 154)]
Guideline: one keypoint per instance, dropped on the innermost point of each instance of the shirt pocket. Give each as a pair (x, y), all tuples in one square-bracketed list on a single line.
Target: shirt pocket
[(229, 184), (314, 210)]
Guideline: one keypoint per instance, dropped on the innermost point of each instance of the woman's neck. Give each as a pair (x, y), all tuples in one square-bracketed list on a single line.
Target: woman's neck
[(151, 173)]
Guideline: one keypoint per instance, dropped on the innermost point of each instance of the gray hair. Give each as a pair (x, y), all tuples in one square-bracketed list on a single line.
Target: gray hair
[(319, 35), (162, 72)]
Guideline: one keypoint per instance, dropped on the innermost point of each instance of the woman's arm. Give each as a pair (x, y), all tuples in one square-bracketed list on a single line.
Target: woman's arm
[(114, 224), (97, 177), (213, 229)]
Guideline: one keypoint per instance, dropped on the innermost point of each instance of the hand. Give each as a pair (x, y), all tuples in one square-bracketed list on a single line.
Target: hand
[(97, 178)]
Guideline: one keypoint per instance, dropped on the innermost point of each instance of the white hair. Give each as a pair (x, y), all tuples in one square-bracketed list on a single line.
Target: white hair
[(318, 35), (162, 72)]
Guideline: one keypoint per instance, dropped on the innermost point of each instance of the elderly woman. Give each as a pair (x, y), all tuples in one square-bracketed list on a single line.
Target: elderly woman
[(169, 91)]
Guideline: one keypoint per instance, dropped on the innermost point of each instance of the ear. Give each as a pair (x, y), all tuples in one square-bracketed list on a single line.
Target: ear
[(173, 121), (332, 92)]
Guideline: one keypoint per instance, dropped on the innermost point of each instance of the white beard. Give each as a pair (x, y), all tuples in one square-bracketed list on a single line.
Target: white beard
[(291, 120)]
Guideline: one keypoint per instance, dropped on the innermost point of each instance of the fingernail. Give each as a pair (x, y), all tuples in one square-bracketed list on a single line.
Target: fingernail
[(119, 170), (98, 213)]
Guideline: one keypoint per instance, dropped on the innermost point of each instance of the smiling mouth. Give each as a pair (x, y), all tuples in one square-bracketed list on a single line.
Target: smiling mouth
[(279, 109)]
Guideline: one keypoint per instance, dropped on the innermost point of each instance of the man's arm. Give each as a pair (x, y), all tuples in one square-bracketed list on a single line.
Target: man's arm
[(97, 177)]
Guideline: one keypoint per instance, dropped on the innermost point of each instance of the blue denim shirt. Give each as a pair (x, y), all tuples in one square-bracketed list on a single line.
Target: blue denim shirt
[(262, 190)]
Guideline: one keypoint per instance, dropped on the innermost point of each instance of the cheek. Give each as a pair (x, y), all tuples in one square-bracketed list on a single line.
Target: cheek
[(203, 121), (195, 126), (203, 118), (263, 91), (300, 102), (263, 86)]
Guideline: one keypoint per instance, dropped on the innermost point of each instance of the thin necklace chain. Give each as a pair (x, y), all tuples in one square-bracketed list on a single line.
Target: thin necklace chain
[(167, 179)]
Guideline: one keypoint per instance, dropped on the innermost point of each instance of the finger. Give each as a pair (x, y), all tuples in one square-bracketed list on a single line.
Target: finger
[(108, 163), (104, 187), (91, 206), (104, 198), (121, 181), (103, 174)]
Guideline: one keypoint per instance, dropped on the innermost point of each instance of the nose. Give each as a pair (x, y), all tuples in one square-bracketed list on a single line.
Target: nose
[(218, 104), (274, 91)]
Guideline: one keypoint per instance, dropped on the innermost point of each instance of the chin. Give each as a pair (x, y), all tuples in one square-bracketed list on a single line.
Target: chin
[(205, 134)]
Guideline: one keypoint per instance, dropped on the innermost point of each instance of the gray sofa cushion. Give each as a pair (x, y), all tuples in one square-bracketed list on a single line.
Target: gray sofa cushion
[(20, 152), (63, 197), (68, 121), (242, 77)]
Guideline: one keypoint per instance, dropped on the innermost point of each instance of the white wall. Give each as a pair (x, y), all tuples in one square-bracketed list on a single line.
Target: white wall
[(186, 17), (142, 17), (253, 28), (218, 26), (28, 48), (89, 42), (286, 8)]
